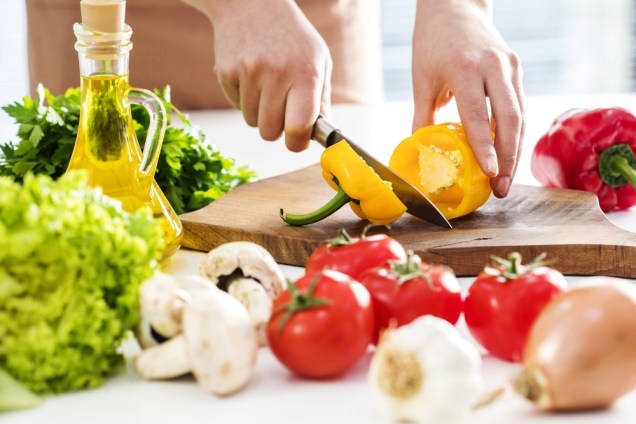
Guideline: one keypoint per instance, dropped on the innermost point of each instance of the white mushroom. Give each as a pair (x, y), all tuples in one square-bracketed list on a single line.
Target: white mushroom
[(162, 298), (248, 272), (216, 341), (220, 340), (161, 307), (166, 360)]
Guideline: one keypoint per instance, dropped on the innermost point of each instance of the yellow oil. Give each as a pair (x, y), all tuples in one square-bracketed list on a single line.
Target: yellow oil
[(107, 147)]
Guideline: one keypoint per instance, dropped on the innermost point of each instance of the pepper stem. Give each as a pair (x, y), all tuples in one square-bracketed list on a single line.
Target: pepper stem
[(616, 166), (339, 200), (620, 165)]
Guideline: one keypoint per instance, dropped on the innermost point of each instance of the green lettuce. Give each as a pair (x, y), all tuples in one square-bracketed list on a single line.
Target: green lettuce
[(71, 263)]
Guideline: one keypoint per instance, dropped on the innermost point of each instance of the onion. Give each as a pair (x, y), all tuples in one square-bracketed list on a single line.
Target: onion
[(581, 350)]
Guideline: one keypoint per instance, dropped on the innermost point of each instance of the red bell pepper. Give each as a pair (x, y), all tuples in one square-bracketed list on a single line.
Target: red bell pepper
[(591, 150)]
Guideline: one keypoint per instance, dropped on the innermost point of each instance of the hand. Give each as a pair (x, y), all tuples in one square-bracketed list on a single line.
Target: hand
[(272, 65), (457, 51)]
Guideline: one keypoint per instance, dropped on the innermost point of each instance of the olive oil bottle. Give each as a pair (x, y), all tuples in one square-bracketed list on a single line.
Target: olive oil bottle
[(106, 144)]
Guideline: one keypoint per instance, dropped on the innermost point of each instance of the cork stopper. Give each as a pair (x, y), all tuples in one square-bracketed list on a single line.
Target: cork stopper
[(103, 15)]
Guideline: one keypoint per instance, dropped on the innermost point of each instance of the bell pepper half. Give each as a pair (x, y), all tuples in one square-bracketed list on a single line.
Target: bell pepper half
[(438, 160), (591, 150), (356, 183)]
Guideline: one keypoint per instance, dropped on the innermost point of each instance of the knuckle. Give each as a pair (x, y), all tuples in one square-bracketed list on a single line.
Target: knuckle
[(252, 67), (475, 114), (515, 61), (493, 58), (467, 62), (508, 162), (512, 118), (226, 74)]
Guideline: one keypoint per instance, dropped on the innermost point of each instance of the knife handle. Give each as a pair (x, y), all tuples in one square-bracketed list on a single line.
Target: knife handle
[(324, 132)]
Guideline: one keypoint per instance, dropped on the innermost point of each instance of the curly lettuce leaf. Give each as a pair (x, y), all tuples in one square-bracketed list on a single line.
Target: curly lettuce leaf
[(71, 263)]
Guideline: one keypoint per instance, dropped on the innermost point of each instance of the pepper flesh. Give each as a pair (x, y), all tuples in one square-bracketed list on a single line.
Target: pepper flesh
[(438, 160), (591, 150), (369, 196)]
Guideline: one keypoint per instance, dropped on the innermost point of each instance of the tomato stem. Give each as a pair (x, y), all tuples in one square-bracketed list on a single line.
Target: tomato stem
[(411, 269), (512, 268), (299, 301)]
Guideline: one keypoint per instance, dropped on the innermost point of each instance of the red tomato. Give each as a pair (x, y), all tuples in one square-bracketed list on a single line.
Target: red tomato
[(353, 256), (503, 303), (321, 332), (403, 292)]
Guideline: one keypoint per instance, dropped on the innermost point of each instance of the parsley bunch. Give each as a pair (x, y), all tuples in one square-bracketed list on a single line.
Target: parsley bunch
[(191, 172)]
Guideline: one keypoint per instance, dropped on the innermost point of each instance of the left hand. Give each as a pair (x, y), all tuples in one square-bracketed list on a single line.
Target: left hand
[(458, 52)]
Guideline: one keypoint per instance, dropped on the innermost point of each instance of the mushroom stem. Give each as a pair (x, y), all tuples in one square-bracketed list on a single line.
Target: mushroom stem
[(164, 361), (250, 274), (254, 297), (221, 341)]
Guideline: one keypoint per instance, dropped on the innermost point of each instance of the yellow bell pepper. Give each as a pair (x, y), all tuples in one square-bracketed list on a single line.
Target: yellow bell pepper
[(369, 196), (438, 160)]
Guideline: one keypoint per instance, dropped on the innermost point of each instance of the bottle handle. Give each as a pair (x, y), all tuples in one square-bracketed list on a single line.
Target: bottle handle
[(156, 127)]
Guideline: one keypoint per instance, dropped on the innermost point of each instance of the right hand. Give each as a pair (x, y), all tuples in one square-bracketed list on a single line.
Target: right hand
[(272, 65)]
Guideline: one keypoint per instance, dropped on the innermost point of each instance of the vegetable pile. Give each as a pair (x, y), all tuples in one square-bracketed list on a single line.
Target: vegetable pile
[(71, 264), (357, 292), (190, 172)]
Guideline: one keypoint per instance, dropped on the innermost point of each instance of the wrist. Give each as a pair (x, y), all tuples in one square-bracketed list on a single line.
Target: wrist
[(213, 8)]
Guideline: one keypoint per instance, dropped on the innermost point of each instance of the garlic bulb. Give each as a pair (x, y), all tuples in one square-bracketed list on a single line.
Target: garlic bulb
[(425, 372)]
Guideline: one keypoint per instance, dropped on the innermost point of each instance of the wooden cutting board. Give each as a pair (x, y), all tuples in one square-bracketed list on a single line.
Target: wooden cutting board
[(568, 225)]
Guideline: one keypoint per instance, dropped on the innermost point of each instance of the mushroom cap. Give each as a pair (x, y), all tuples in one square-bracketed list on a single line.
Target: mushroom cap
[(192, 284), (159, 305), (253, 260), (220, 341)]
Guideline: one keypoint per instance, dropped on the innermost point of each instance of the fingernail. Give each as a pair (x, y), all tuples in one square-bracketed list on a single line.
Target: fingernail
[(502, 187), (492, 168)]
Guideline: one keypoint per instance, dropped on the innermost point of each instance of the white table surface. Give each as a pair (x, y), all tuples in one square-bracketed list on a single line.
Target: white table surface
[(273, 394)]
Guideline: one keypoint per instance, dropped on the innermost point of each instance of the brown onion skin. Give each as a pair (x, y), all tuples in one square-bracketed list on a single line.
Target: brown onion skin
[(581, 350)]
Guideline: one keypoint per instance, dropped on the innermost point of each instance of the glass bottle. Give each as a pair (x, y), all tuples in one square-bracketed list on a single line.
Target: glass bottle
[(106, 144)]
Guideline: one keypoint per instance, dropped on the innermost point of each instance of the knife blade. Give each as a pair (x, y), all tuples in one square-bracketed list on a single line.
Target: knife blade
[(416, 202)]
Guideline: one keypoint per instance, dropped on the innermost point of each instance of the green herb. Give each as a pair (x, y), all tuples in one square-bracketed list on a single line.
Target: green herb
[(71, 264), (191, 172)]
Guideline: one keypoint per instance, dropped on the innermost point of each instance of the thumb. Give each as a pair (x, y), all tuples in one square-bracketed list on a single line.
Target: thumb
[(325, 98), (427, 100)]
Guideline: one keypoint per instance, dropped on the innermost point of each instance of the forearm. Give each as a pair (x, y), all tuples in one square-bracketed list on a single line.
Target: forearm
[(217, 9), (485, 5)]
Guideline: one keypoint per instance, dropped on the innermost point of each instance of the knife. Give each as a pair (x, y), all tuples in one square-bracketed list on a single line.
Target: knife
[(416, 202)]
